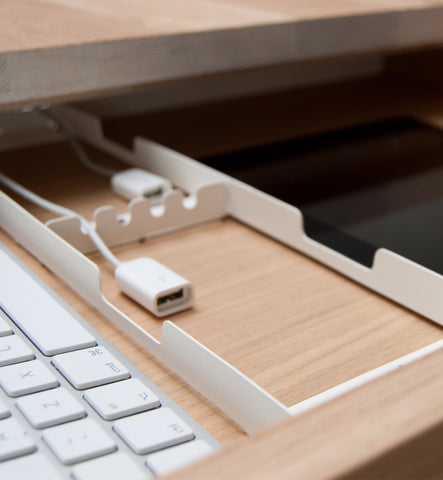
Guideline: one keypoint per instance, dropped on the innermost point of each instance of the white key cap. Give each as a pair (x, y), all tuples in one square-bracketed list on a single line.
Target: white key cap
[(32, 467), (121, 399), (167, 461), (14, 441), (5, 329), (90, 368), (4, 412), (36, 312), (150, 431), (27, 377), (111, 467), (50, 408), (14, 350), (78, 441)]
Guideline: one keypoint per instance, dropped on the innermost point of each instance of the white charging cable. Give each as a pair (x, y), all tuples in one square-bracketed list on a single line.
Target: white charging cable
[(75, 144), (148, 282)]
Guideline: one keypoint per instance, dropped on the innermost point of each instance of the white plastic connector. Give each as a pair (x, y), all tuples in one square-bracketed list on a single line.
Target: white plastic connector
[(137, 183), (154, 286)]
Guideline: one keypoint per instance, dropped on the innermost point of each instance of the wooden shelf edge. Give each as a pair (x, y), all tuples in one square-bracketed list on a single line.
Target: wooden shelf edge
[(104, 67)]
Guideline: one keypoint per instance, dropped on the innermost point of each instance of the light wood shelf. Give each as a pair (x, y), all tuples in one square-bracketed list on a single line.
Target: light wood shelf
[(81, 49)]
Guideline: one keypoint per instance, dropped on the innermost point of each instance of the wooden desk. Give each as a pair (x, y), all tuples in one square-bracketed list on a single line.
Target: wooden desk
[(290, 324)]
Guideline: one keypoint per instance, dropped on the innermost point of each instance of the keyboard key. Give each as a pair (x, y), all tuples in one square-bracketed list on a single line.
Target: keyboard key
[(49, 326), (14, 441), (112, 467), (171, 459), (50, 408), (150, 431), (27, 377), (4, 412), (32, 467), (121, 399), (14, 350), (78, 441), (90, 368), (5, 329)]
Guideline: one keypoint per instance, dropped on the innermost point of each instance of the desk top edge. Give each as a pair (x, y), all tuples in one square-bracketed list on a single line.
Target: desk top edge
[(225, 36)]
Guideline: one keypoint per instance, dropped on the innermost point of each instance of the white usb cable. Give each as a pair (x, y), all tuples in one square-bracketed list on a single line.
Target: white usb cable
[(130, 183), (148, 282), (75, 144)]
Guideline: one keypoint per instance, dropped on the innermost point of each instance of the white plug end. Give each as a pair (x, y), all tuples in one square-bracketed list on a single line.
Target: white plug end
[(154, 286), (138, 183)]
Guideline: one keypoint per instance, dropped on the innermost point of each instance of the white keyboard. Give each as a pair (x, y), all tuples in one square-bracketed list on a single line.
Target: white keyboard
[(71, 406)]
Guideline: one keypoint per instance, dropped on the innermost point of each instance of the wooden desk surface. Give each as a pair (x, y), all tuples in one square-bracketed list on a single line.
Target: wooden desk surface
[(292, 344), (54, 50)]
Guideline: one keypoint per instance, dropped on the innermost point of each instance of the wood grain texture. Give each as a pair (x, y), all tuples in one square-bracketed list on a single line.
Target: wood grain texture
[(76, 22), (80, 49)]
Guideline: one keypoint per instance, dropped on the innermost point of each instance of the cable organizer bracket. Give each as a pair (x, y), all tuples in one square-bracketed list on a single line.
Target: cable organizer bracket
[(396, 277), (144, 220)]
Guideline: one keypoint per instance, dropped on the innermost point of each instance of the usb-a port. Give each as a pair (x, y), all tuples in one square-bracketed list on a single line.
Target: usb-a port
[(171, 297)]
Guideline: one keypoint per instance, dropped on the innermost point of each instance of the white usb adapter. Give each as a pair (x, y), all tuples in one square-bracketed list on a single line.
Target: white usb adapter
[(154, 286), (138, 183), (148, 282)]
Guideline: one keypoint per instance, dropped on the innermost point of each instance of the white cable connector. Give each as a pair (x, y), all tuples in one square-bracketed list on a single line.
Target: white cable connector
[(148, 282), (138, 183), (154, 286)]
